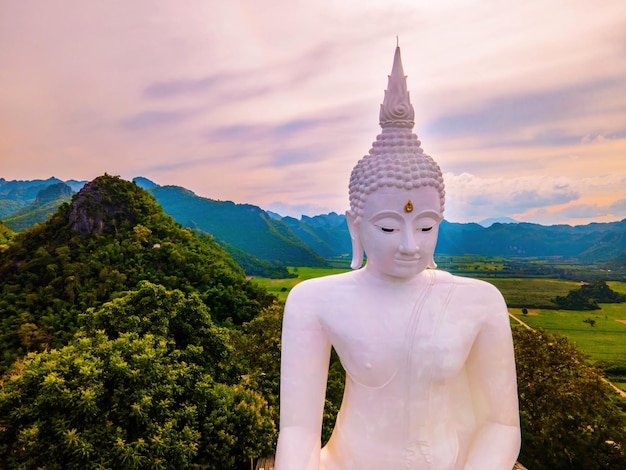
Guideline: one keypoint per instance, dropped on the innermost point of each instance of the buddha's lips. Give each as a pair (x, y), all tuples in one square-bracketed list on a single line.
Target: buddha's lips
[(408, 260)]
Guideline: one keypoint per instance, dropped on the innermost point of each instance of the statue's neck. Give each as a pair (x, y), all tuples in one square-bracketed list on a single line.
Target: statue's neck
[(375, 278)]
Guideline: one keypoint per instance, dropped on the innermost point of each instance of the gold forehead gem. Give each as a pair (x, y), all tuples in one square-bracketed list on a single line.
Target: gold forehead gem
[(408, 207)]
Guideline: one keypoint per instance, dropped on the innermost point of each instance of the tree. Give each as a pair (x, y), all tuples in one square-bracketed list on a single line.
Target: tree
[(147, 382), (576, 300), (570, 417), (587, 297), (257, 350)]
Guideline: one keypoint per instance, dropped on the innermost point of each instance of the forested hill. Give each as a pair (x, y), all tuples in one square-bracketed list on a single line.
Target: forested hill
[(244, 226), (138, 354), (109, 238)]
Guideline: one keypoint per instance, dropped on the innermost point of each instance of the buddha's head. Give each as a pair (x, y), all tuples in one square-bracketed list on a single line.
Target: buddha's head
[(397, 193)]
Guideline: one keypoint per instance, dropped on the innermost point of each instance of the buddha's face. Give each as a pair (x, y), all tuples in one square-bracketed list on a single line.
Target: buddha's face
[(398, 230)]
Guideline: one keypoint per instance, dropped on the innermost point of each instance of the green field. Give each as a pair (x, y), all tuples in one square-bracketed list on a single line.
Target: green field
[(529, 292), (605, 341), (281, 287)]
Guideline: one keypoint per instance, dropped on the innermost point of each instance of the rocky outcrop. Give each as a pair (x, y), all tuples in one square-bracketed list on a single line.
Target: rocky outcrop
[(93, 210)]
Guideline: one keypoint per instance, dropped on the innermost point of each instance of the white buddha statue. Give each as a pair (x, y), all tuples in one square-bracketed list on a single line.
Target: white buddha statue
[(429, 358)]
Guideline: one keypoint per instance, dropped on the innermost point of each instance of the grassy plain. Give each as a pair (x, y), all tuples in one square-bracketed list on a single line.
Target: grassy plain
[(281, 287), (525, 292), (603, 342)]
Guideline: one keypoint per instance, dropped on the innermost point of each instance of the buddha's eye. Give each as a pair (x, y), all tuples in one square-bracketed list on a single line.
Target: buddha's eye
[(427, 229), (387, 229)]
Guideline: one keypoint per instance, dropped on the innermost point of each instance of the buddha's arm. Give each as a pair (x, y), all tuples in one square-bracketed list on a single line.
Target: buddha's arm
[(491, 371), (304, 371)]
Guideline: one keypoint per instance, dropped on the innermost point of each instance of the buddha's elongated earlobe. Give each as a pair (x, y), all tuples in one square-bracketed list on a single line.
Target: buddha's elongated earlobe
[(432, 264), (357, 246)]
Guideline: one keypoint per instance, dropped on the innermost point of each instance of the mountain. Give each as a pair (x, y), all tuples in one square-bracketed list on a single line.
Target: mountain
[(112, 236), (47, 201), (244, 226), (17, 194), (326, 234), (598, 242), (497, 220), (144, 183)]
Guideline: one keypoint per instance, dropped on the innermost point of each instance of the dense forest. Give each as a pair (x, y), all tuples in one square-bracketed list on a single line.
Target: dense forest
[(130, 342), (117, 331)]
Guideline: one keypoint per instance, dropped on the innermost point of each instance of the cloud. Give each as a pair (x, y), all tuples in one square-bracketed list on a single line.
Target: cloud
[(506, 115), (583, 211), (475, 198), (521, 201), (594, 138), (280, 144), (172, 88), (618, 208), (150, 119), (296, 210)]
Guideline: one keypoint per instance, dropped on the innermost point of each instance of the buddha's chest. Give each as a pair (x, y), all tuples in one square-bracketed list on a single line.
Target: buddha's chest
[(400, 341)]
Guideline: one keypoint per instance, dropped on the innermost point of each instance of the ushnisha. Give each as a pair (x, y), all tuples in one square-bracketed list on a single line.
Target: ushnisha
[(430, 370)]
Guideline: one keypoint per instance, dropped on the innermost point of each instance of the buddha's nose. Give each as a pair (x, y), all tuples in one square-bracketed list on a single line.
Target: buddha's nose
[(408, 244)]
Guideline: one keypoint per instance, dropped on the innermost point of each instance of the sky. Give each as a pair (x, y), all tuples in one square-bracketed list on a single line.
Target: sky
[(271, 103)]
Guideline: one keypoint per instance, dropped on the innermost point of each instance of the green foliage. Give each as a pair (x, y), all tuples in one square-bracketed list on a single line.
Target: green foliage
[(334, 395), (257, 350), (112, 236), (602, 293), (6, 235), (147, 382), (591, 321), (576, 300), (587, 297), (184, 320), (570, 417), (257, 353), (254, 266), (243, 226)]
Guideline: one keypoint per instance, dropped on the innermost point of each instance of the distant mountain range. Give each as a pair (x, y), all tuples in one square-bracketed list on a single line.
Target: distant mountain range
[(253, 235), (247, 227), (16, 195), (498, 220)]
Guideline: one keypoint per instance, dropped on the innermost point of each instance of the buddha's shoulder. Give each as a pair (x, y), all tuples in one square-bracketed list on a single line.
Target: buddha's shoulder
[(323, 287), (469, 287)]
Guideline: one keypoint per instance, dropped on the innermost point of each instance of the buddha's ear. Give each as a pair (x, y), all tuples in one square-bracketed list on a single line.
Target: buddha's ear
[(357, 246), (431, 263)]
